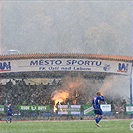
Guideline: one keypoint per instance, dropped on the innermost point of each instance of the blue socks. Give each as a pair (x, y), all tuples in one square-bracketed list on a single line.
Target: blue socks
[(8, 119), (97, 119)]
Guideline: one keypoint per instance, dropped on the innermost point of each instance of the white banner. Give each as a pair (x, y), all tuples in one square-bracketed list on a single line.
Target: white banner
[(129, 108), (106, 107), (57, 64), (69, 109)]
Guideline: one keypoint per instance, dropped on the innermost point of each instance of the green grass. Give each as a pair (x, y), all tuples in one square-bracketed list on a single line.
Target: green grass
[(81, 126)]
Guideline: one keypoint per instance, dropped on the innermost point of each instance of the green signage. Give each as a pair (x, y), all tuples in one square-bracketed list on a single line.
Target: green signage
[(34, 108), (129, 108), (88, 110), (1, 109)]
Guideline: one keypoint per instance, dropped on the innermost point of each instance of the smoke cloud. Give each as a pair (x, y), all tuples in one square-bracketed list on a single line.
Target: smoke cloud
[(115, 87), (109, 87), (75, 86)]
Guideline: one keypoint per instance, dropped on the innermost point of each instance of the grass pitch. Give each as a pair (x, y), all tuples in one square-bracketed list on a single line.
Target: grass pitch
[(81, 126)]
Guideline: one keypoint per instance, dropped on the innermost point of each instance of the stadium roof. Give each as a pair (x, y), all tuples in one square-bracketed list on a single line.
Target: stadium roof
[(62, 55), (59, 74)]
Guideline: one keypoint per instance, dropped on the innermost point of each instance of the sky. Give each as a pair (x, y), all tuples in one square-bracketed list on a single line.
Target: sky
[(89, 27)]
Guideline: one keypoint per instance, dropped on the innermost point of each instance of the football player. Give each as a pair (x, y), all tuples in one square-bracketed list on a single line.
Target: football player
[(97, 109)]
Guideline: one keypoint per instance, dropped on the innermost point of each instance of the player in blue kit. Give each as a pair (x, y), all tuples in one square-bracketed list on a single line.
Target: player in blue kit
[(97, 109), (9, 113)]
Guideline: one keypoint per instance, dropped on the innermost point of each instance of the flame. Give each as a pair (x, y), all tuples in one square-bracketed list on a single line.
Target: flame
[(69, 86), (59, 97)]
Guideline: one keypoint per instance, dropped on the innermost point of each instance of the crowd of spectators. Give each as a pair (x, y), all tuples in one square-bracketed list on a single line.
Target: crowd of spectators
[(21, 93)]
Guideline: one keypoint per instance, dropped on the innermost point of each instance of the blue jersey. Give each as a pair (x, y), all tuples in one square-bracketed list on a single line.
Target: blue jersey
[(97, 101), (9, 111)]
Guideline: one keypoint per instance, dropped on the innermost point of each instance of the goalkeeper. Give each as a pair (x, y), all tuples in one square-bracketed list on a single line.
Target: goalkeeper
[(97, 109)]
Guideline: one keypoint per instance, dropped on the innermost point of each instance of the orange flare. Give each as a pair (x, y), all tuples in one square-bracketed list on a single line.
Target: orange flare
[(59, 97)]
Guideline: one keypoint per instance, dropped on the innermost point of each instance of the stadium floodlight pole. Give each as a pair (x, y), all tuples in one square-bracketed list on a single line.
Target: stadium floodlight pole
[(131, 85), (131, 76), (0, 26)]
